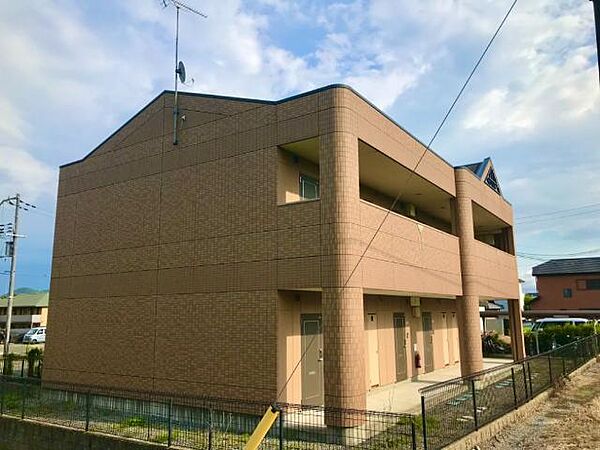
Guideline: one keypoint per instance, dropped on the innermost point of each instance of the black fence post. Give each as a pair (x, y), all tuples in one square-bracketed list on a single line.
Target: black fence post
[(424, 422), (22, 368), (170, 432), (525, 381), (413, 434), (564, 365), (280, 429), (23, 395), (474, 404), (1, 396), (210, 428), (529, 376), (550, 367), (514, 385), (87, 411)]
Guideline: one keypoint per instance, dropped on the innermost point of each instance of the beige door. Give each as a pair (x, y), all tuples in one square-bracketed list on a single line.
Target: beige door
[(445, 340), (373, 349), (312, 362), (455, 335)]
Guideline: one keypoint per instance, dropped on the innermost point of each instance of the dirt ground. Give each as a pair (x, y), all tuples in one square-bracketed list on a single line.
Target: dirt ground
[(569, 420)]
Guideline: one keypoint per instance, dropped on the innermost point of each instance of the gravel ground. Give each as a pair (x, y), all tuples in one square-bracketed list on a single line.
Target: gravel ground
[(569, 420)]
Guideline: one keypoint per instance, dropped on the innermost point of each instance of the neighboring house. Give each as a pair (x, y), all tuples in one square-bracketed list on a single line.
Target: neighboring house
[(567, 287), (212, 266), (494, 314), (29, 310), (494, 317)]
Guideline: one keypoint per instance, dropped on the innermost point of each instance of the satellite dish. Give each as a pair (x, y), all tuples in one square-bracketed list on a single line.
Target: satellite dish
[(181, 71)]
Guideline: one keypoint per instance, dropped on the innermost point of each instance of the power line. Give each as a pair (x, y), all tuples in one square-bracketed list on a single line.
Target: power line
[(564, 216), (559, 211), (442, 123)]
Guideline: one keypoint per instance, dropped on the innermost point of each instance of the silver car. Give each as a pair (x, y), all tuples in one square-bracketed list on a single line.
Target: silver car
[(35, 336)]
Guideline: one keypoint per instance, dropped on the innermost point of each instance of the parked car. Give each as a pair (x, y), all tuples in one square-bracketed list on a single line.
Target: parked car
[(540, 324), (35, 336)]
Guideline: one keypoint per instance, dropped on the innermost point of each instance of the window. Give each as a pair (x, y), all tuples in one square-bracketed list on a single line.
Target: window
[(492, 181), (309, 188), (567, 293), (592, 284)]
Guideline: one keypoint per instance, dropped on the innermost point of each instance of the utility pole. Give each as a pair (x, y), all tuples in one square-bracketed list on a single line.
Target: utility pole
[(13, 263), (597, 19)]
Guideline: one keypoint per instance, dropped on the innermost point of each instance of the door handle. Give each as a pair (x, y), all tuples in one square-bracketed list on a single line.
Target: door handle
[(320, 355)]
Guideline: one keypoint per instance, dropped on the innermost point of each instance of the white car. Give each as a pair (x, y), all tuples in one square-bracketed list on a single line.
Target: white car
[(540, 324), (35, 336)]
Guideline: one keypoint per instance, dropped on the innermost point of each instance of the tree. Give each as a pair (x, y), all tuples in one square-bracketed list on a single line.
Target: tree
[(529, 299)]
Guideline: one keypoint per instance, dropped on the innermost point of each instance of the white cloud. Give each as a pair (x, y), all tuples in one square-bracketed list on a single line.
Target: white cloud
[(23, 173)]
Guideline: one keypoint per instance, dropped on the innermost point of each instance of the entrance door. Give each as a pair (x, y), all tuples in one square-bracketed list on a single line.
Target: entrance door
[(428, 341), (312, 363), (445, 340), (373, 349), (400, 341), (455, 337)]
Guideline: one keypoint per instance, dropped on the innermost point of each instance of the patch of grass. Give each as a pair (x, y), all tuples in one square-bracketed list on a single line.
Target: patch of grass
[(134, 421)]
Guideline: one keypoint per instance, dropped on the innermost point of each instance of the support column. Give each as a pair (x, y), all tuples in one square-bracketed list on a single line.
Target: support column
[(342, 298), (471, 355), (517, 340)]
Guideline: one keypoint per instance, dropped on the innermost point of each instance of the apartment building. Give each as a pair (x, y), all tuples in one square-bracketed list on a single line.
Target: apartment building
[(211, 266), (568, 287), (29, 311)]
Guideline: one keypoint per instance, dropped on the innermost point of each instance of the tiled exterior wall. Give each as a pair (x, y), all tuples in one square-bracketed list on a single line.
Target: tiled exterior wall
[(173, 266), (407, 256)]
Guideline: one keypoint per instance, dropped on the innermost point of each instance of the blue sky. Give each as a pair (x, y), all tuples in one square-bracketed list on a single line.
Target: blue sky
[(72, 72)]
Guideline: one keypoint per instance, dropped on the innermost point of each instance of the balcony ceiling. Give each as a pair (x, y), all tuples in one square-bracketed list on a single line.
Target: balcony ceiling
[(383, 174)]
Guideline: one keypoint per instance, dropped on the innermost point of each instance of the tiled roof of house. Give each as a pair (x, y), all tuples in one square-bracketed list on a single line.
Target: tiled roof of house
[(38, 299), (568, 266)]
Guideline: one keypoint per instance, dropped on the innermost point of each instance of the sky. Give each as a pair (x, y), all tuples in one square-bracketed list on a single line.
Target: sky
[(72, 72)]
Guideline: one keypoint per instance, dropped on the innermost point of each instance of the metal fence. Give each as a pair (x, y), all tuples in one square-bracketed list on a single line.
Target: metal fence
[(455, 408), (202, 423), (20, 366)]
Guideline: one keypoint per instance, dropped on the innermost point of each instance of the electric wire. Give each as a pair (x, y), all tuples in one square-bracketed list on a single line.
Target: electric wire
[(558, 211), (427, 148)]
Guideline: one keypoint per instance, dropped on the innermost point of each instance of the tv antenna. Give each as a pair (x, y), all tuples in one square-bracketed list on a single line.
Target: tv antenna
[(179, 66)]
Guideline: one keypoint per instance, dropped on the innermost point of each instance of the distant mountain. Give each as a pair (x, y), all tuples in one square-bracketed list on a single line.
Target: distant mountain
[(26, 290)]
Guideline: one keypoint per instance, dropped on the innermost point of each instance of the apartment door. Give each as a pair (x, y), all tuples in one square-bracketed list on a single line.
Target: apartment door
[(445, 340), (373, 349), (428, 341), (312, 363), (455, 338), (400, 341)]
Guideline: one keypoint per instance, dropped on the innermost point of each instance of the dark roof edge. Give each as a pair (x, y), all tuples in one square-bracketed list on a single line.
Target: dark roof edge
[(114, 132), (263, 102)]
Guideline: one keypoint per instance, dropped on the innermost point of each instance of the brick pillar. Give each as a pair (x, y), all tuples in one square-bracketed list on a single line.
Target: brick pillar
[(471, 356), (342, 300), (515, 320)]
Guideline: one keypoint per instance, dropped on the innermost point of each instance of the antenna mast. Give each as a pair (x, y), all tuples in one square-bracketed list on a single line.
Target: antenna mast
[(179, 67)]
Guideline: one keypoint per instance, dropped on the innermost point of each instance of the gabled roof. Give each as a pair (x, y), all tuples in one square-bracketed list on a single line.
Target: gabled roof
[(260, 102), (39, 299), (568, 266), (484, 170)]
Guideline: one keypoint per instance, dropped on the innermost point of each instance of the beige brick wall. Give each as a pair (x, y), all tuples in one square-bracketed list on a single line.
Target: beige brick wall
[(173, 266)]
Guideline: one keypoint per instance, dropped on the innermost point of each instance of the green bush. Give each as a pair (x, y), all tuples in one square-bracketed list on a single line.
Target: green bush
[(34, 356), (553, 336), (8, 366)]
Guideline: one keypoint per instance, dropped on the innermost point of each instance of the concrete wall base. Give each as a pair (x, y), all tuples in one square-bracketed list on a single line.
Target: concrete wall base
[(17, 434), (470, 441)]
